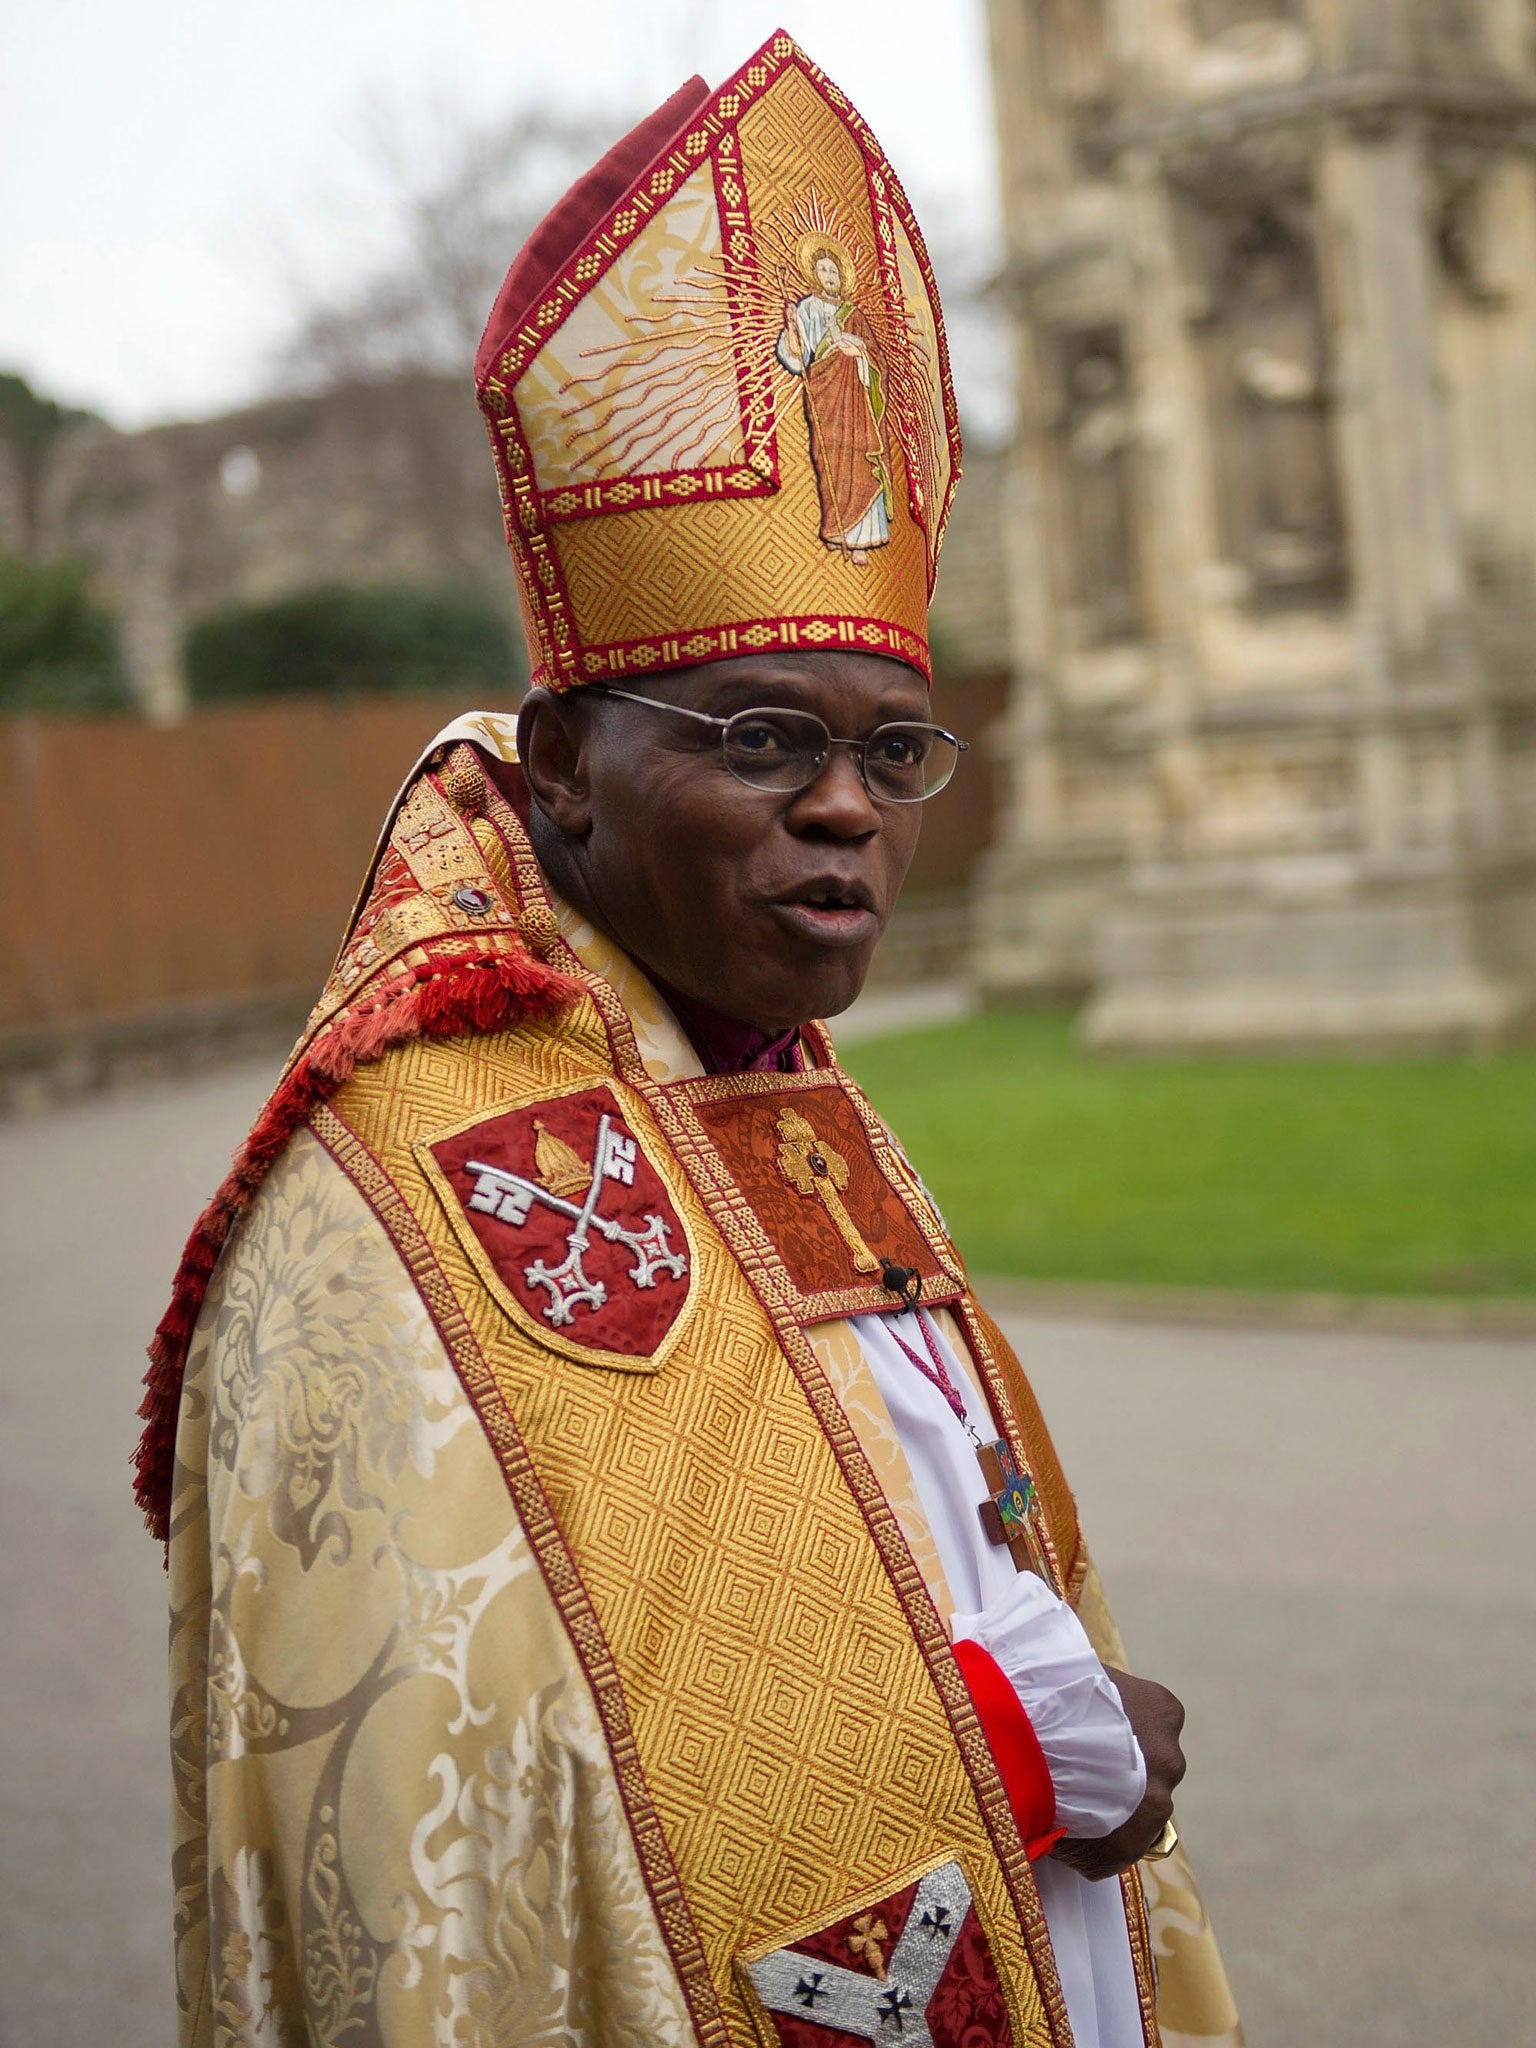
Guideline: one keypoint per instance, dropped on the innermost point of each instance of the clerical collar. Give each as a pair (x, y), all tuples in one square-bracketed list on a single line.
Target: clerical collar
[(724, 1044)]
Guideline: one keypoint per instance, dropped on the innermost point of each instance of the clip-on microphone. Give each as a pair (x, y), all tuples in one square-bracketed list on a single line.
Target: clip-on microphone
[(905, 1281)]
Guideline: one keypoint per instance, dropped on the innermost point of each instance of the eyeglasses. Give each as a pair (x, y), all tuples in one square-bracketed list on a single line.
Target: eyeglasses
[(774, 748)]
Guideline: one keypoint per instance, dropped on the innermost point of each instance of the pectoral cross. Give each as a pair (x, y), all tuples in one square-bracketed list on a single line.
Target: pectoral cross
[(815, 1170), (1005, 1516)]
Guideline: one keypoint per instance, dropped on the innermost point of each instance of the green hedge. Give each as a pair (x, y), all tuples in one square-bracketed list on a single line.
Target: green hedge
[(339, 640), (58, 651)]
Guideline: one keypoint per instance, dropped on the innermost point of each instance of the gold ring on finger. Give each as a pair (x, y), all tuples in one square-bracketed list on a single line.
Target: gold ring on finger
[(1165, 1844)]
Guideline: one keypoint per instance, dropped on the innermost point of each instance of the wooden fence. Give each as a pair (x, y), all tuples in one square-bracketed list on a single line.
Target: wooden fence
[(160, 881), (144, 868)]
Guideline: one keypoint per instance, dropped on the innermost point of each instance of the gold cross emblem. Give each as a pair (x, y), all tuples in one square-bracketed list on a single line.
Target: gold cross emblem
[(817, 1172), (865, 1940)]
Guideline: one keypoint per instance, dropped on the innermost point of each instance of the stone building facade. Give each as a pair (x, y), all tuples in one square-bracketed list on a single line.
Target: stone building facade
[(364, 484), (1271, 740)]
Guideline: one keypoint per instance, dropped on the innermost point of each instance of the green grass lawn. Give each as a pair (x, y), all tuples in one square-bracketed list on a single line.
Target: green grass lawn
[(1403, 1177)]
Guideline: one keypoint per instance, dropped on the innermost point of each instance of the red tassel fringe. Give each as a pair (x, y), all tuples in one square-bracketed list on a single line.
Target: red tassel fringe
[(488, 995)]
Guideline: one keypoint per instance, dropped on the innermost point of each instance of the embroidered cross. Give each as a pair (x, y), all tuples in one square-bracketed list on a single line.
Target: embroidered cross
[(897, 2004), (891, 2006), (1005, 1516), (808, 1990), (815, 1171), (868, 1933)]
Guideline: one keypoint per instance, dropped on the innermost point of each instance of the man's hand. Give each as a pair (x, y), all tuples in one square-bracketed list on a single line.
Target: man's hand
[(1157, 1718)]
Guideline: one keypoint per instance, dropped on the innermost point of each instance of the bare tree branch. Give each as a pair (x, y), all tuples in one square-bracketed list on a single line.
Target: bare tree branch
[(450, 210), (447, 201)]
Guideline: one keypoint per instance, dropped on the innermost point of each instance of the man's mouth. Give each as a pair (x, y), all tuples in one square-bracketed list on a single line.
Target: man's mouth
[(832, 912)]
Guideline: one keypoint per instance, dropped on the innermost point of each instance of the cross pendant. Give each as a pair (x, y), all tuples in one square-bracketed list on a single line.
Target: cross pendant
[(1005, 1515)]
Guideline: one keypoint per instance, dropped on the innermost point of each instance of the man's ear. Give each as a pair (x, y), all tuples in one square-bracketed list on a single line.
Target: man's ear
[(552, 739)]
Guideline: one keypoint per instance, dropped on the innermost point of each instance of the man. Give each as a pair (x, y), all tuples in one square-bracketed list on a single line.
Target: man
[(622, 1589)]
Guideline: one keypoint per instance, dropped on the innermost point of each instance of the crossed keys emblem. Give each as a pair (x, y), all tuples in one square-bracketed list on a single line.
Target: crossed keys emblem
[(510, 1198)]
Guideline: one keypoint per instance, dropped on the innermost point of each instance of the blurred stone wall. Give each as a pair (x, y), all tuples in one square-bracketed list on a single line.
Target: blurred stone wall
[(930, 936), (1271, 742), (365, 484), (14, 536)]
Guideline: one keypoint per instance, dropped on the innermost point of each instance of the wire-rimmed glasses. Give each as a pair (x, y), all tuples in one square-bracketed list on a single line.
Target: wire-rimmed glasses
[(776, 747)]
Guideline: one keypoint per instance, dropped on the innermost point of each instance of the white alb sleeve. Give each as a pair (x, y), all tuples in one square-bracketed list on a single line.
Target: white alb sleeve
[(1094, 1758)]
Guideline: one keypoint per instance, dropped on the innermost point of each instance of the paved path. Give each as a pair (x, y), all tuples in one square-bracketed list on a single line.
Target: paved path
[(1324, 1542), (1327, 1546)]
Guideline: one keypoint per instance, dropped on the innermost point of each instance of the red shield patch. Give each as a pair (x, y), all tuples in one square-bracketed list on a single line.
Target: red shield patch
[(570, 1224), (914, 1965)]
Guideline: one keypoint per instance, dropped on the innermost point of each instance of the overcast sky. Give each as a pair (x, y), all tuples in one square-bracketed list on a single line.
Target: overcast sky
[(171, 172)]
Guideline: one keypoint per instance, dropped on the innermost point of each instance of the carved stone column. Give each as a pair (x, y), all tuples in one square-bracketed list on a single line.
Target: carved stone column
[(1409, 589), (1273, 735)]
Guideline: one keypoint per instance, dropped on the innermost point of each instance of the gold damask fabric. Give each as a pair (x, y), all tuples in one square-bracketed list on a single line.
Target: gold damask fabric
[(397, 1819)]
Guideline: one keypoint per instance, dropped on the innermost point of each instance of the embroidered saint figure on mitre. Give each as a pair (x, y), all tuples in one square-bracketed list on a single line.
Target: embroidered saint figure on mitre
[(829, 345)]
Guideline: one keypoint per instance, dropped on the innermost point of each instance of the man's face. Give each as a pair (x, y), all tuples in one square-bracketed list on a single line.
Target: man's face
[(763, 904), (829, 276)]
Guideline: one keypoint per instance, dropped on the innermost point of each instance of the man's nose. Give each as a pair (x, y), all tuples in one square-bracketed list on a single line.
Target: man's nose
[(837, 800)]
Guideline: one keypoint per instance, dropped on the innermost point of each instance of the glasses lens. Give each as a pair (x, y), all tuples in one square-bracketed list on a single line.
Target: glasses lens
[(905, 763), (776, 749)]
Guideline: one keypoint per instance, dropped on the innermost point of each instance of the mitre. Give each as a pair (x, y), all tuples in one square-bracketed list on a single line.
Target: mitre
[(719, 395)]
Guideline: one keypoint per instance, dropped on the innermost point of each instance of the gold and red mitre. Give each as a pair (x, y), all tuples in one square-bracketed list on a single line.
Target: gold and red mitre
[(719, 393)]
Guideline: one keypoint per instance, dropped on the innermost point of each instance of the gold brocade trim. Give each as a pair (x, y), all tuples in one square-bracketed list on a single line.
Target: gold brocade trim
[(1141, 1954), (756, 636), (431, 851), (561, 1573)]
